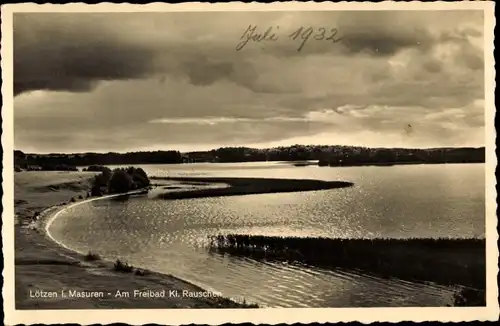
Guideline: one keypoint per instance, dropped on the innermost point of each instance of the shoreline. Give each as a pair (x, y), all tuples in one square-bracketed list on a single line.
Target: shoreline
[(314, 163), (50, 218), (389, 164), (44, 265), (47, 220)]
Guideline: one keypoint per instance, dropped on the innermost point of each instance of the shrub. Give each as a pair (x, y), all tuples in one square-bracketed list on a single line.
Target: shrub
[(96, 191), (120, 182), (102, 179), (123, 267), (140, 177), (100, 183), (90, 256)]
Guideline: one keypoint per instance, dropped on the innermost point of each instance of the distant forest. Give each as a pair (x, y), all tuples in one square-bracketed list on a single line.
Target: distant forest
[(326, 155)]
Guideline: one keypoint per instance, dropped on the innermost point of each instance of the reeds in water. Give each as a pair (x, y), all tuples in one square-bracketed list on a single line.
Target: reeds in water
[(449, 261)]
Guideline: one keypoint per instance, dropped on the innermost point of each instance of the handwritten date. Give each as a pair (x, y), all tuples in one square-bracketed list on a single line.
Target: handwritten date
[(301, 35), (319, 34)]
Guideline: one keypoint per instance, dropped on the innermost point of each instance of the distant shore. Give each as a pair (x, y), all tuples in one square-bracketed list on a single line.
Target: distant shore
[(327, 154), (382, 164), (42, 267), (248, 186)]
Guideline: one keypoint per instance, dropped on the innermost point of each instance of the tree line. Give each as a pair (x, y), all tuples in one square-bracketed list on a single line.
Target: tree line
[(326, 155), (340, 155), (49, 162), (403, 156)]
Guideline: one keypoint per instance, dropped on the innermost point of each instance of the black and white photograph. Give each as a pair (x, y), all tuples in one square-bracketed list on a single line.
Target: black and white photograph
[(248, 159)]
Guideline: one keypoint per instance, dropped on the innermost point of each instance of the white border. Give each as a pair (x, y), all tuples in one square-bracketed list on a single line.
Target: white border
[(267, 315)]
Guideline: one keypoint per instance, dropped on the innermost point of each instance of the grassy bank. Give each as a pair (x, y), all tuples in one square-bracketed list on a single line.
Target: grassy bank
[(35, 191), (443, 261), (248, 186), (43, 265)]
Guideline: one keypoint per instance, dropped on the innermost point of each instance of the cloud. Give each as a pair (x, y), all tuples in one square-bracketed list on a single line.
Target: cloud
[(65, 51), (54, 52), (176, 78)]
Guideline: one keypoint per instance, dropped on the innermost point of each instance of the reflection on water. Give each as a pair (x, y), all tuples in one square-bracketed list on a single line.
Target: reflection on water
[(170, 236)]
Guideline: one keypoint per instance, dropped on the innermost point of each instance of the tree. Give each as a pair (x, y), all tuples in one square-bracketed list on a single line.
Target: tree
[(120, 182), (139, 177)]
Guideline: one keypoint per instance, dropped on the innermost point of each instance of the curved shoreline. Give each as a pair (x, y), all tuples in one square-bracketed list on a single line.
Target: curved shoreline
[(216, 187), (47, 220)]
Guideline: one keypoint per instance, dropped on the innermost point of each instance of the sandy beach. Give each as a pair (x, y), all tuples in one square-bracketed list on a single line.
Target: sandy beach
[(48, 276)]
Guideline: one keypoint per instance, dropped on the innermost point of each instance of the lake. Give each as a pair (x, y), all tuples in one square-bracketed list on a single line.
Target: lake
[(398, 201)]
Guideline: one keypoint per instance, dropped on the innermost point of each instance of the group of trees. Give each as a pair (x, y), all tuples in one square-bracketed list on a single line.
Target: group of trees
[(327, 155), (341, 155), (70, 161), (365, 156), (119, 180), (246, 154)]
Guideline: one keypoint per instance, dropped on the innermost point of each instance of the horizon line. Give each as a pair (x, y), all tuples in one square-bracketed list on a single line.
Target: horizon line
[(248, 147)]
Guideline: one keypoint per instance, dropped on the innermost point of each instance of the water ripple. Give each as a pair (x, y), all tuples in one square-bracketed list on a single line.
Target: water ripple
[(171, 236)]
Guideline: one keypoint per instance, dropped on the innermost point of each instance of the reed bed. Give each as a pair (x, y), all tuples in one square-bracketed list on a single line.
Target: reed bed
[(447, 261)]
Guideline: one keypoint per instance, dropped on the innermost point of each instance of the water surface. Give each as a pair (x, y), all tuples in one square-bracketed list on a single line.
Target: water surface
[(397, 201)]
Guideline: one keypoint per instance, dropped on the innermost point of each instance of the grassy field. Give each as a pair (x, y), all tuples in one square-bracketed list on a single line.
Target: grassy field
[(40, 264), (444, 261), (249, 186), (35, 191)]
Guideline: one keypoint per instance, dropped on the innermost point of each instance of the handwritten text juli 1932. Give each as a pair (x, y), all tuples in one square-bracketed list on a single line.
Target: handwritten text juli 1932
[(300, 35)]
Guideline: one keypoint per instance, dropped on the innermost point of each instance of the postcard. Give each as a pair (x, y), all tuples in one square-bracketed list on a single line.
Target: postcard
[(271, 163)]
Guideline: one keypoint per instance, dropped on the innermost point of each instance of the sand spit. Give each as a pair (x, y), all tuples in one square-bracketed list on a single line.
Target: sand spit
[(248, 186)]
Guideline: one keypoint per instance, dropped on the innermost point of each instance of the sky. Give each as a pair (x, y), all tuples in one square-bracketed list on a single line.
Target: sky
[(156, 81)]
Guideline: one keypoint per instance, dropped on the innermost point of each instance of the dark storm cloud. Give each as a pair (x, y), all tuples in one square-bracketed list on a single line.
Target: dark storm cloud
[(385, 33), (74, 51), (381, 42), (176, 78), (62, 54)]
